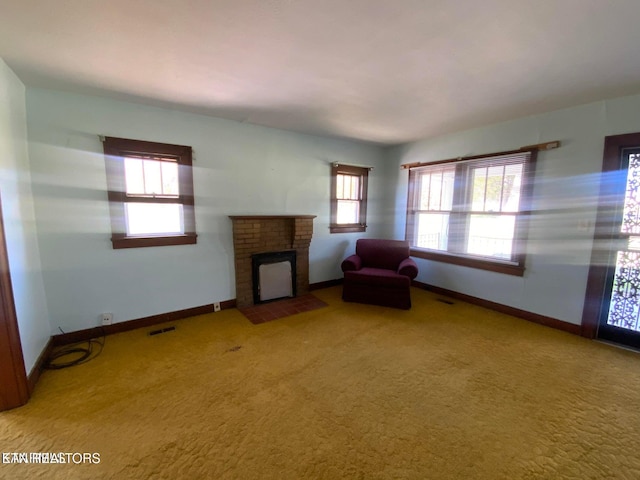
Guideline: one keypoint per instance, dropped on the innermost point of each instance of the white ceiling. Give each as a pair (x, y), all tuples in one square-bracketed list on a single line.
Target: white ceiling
[(382, 71)]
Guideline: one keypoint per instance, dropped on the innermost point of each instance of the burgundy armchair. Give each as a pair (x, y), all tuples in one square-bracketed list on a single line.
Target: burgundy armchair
[(379, 273)]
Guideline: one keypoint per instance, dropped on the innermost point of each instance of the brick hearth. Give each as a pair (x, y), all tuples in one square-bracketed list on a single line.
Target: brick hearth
[(270, 233)]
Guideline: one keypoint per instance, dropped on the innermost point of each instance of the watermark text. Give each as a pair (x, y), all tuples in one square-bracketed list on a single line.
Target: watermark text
[(76, 458)]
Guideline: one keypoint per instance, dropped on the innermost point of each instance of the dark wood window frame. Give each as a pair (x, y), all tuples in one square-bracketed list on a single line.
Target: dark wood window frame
[(515, 267), (363, 173), (115, 149)]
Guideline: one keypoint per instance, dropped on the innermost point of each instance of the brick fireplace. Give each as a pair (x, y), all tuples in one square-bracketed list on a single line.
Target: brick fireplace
[(256, 234)]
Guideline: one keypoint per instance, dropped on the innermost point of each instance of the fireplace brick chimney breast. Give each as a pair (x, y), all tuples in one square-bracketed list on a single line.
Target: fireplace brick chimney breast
[(269, 233)]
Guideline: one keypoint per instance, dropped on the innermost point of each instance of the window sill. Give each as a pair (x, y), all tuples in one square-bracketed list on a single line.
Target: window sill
[(347, 228), (471, 262), (137, 242)]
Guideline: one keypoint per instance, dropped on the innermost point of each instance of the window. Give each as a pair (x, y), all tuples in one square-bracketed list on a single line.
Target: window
[(471, 212), (348, 198), (150, 193)]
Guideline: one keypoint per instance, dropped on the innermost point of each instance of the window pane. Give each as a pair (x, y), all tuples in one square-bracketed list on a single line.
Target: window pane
[(170, 185), (435, 187), (436, 190), (491, 235), (348, 211), (631, 211), (496, 188), (423, 194), (348, 187), (355, 188), (153, 218), (479, 184), (432, 231), (448, 179), (339, 186), (152, 177), (511, 188), (493, 196), (134, 178)]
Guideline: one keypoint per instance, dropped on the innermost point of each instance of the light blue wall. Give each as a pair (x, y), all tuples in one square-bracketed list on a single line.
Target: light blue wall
[(19, 219), (238, 169), (565, 203), (247, 169)]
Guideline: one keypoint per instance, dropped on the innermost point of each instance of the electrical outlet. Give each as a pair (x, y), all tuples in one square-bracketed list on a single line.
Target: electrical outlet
[(216, 307), (107, 318)]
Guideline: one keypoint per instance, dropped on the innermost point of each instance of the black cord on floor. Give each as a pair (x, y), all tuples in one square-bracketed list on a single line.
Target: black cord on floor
[(87, 350)]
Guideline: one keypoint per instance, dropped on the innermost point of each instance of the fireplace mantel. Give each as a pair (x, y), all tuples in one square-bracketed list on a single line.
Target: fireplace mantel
[(254, 234), (268, 217)]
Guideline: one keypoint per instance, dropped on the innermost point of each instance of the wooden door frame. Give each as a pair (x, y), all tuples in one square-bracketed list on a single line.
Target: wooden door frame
[(605, 228), (14, 389)]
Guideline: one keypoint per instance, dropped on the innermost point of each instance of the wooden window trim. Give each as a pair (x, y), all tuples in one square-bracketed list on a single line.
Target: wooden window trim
[(115, 149), (515, 267), (361, 226), (468, 261)]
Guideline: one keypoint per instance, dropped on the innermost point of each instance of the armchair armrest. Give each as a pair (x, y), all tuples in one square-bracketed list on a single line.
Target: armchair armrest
[(351, 263), (409, 268)]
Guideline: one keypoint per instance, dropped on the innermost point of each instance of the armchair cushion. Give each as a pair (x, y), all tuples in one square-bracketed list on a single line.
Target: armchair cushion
[(377, 277)]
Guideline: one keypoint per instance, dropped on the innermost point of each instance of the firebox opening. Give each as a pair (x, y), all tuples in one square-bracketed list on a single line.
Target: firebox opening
[(274, 276)]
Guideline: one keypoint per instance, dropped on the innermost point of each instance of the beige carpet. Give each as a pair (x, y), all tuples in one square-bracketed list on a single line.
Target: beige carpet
[(346, 391)]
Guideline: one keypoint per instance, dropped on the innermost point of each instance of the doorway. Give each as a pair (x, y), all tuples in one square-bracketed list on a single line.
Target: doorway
[(612, 304)]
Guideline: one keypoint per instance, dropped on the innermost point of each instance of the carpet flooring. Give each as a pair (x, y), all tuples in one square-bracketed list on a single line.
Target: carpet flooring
[(346, 391)]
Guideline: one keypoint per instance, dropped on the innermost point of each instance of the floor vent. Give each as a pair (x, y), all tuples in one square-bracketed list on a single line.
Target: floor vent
[(162, 330), (448, 302)]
